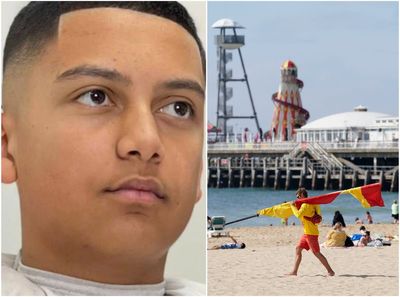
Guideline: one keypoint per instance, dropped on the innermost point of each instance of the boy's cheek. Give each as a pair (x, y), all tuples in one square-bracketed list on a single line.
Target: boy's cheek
[(57, 159), (184, 181)]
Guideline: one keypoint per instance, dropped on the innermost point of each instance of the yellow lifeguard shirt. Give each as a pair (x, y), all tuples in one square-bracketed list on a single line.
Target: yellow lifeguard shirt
[(307, 210)]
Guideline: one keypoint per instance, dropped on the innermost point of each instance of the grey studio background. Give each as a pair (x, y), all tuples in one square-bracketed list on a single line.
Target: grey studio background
[(187, 257)]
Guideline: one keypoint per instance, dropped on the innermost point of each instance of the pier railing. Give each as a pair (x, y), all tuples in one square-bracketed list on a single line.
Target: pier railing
[(288, 146), (280, 146)]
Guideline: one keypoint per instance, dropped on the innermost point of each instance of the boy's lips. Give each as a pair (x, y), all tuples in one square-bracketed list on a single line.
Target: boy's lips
[(142, 190)]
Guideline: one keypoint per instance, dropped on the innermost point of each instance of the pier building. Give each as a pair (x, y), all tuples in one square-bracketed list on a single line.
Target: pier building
[(359, 125)]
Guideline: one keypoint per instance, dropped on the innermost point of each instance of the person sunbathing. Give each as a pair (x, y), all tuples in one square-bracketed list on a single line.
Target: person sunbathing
[(358, 221), (365, 239), (225, 246), (335, 237)]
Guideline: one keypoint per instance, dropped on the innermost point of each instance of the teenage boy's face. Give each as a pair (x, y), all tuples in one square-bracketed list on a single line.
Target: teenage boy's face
[(105, 129)]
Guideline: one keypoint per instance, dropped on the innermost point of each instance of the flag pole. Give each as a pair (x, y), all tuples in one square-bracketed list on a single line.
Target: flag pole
[(239, 220)]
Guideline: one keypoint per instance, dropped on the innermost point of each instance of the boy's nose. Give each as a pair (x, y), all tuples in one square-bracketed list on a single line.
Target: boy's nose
[(140, 136)]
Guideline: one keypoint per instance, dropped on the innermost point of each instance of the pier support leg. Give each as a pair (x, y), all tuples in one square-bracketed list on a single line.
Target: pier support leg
[(327, 179), (354, 179), (304, 165), (253, 177), (241, 178), (381, 178), (276, 163), (313, 179), (265, 173), (229, 172), (393, 184), (218, 172), (367, 179), (288, 178), (341, 179), (277, 178), (252, 173), (302, 179)]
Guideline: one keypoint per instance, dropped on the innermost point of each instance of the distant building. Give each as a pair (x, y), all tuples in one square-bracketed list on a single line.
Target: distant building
[(358, 125)]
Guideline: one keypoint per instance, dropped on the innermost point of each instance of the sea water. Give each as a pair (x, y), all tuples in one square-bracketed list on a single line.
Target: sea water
[(236, 203)]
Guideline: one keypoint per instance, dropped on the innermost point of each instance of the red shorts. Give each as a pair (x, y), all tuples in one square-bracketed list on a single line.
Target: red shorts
[(309, 241)]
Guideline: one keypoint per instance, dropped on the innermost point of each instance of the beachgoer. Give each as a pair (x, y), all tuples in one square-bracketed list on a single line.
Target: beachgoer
[(335, 237), (368, 217), (99, 100), (310, 237), (363, 230), (229, 245), (365, 239), (246, 135), (395, 212), (338, 218), (357, 221)]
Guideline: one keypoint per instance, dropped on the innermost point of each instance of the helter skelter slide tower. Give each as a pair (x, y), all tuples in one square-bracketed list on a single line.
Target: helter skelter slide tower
[(289, 113)]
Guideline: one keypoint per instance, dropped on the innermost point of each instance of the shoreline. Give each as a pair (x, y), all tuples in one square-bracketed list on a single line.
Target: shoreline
[(260, 268)]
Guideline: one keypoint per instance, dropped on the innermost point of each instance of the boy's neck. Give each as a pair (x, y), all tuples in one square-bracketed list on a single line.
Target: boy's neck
[(117, 269)]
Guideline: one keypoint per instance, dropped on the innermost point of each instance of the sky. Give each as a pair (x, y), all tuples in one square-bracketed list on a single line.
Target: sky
[(346, 53)]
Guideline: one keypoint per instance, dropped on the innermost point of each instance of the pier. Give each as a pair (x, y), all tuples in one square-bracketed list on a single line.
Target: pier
[(316, 166)]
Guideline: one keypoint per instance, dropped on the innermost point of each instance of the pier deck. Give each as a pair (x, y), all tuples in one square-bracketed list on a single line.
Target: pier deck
[(291, 165)]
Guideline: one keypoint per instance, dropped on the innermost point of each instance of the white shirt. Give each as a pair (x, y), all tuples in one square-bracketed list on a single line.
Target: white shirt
[(19, 279)]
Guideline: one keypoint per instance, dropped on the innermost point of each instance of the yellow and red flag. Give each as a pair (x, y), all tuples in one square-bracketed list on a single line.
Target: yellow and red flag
[(368, 196)]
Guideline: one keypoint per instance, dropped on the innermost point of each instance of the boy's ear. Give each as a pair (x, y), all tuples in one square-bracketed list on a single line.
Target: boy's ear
[(8, 170)]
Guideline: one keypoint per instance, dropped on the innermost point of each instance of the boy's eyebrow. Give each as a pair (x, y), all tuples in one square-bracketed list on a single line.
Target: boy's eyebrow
[(112, 74), (93, 71), (187, 84)]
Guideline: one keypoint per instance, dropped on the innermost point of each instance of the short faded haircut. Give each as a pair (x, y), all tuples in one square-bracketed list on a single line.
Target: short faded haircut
[(37, 23)]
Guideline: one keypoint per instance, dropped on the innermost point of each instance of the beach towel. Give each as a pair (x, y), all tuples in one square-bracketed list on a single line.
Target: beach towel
[(356, 237)]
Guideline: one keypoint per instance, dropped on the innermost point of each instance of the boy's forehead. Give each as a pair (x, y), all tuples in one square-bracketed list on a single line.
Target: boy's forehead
[(107, 19), (105, 33)]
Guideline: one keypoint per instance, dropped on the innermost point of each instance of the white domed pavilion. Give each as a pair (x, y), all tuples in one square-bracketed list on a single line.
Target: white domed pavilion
[(357, 125)]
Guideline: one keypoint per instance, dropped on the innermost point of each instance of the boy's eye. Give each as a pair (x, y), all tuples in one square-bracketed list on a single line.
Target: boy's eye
[(178, 109), (95, 98)]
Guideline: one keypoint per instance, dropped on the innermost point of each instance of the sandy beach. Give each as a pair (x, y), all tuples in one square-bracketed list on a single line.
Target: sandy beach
[(260, 268)]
